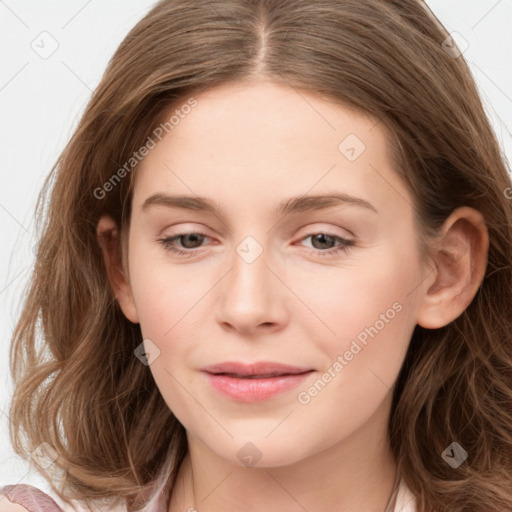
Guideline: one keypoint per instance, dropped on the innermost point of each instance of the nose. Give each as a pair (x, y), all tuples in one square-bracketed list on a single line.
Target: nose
[(251, 297)]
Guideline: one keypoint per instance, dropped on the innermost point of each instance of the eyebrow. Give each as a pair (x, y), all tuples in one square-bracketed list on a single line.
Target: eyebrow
[(291, 205)]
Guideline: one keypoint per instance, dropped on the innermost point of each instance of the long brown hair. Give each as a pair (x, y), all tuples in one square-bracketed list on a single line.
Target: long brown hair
[(78, 385)]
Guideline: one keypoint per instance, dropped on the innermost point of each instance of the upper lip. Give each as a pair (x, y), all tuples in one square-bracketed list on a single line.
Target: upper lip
[(262, 368)]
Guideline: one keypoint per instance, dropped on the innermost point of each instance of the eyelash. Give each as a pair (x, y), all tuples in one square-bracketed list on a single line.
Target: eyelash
[(343, 247)]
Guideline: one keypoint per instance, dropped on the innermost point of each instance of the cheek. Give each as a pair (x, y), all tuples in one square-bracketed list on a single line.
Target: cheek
[(168, 305), (343, 301), (165, 294), (372, 326), (174, 308), (364, 316)]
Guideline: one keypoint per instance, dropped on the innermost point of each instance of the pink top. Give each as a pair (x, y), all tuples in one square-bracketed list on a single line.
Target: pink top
[(32, 498), (35, 500)]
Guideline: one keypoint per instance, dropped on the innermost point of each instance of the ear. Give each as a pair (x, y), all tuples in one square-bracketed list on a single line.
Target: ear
[(460, 260), (109, 240)]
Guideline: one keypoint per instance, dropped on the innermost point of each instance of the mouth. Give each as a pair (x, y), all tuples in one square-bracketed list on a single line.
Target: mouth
[(261, 369), (251, 385), (260, 375)]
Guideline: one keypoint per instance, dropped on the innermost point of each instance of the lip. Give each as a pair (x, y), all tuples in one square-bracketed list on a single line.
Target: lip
[(261, 368), (256, 381)]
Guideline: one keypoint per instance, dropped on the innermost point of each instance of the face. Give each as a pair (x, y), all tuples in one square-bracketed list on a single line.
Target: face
[(328, 286)]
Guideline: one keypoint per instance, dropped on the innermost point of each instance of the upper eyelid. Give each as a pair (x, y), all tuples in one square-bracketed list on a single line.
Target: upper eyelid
[(309, 231)]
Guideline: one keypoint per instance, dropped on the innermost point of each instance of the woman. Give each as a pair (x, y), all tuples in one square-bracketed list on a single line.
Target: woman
[(208, 352)]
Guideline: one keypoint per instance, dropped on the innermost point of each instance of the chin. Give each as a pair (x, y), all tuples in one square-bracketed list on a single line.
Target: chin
[(261, 452)]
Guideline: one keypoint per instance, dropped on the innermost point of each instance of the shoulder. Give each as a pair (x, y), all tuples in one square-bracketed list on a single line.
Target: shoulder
[(26, 498)]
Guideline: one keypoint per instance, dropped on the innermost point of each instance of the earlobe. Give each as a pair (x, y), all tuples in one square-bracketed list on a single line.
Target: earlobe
[(109, 240), (460, 259)]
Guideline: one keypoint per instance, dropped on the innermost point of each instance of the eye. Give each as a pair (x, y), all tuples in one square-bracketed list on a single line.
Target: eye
[(320, 240), (191, 242)]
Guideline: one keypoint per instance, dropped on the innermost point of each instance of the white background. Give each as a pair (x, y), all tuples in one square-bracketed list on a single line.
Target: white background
[(41, 101)]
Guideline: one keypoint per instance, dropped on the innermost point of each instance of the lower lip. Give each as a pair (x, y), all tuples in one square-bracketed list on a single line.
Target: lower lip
[(255, 390)]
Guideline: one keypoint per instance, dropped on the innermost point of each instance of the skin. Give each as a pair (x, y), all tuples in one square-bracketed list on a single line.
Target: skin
[(249, 147)]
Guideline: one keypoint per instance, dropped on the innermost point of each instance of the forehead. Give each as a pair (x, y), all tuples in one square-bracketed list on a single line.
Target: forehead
[(254, 142)]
